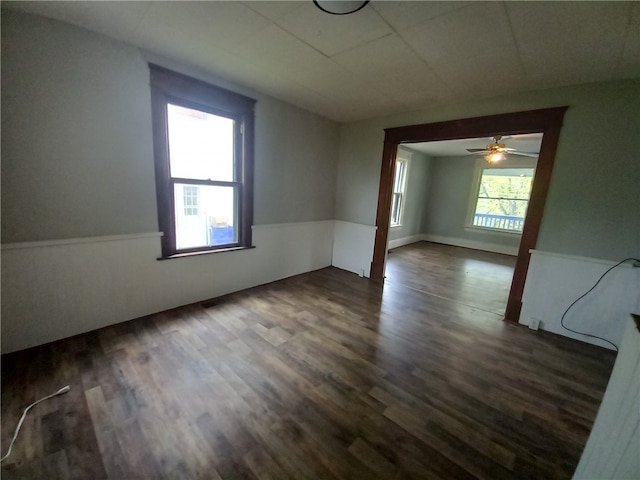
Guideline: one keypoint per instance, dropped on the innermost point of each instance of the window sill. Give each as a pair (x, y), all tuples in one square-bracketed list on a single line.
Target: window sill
[(205, 252), (395, 226), (496, 231)]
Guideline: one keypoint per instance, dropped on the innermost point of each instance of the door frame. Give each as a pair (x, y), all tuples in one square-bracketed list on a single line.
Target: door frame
[(547, 121)]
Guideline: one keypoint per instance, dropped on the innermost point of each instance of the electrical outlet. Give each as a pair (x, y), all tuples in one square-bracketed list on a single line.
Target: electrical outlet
[(534, 323)]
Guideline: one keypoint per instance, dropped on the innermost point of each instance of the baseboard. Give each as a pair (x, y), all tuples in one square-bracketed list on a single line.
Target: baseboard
[(400, 242), (473, 244)]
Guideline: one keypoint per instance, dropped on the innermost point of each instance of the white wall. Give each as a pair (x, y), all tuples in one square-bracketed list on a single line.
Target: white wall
[(55, 289), (554, 281)]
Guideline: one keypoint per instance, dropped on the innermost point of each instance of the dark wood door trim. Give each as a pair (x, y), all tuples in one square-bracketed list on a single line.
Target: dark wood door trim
[(547, 121)]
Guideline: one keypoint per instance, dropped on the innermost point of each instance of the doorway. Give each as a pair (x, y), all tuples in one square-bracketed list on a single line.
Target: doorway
[(547, 121)]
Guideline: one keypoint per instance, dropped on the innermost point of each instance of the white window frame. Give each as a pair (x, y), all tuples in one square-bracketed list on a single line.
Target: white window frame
[(481, 166), (399, 188)]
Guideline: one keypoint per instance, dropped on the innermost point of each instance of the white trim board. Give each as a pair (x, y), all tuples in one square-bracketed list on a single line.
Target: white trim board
[(76, 241), (294, 224), (577, 258)]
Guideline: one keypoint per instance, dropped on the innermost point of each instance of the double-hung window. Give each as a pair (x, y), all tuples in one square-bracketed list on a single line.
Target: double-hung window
[(399, 183), (203, 149), (502, 198)]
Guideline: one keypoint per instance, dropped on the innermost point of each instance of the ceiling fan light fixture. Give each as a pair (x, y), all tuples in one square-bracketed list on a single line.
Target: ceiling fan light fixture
[(495, 157), (340, 7)]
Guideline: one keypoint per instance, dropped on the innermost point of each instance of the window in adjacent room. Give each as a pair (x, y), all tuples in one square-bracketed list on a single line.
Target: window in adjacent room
[(399, 186), (190, 197), (502, 198), (203, 148)]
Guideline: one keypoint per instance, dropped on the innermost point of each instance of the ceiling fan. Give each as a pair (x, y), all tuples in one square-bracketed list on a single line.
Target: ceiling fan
[(496, 151)]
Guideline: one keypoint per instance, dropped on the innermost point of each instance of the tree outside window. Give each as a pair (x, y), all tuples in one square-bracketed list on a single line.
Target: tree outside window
[(502, 199)]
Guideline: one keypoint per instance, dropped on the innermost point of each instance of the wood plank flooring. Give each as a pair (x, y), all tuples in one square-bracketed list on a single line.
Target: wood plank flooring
[(320, 376), (473, 277)]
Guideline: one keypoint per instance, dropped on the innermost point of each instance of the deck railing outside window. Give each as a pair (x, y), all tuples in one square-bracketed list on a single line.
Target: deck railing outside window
[(503, 222)]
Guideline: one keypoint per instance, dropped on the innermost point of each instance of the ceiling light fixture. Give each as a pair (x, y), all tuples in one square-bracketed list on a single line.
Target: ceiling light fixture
[(340, 7), (495, 157)]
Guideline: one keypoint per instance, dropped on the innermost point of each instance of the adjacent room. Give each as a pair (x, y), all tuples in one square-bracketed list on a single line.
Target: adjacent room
[(201, 201), (450, 194)]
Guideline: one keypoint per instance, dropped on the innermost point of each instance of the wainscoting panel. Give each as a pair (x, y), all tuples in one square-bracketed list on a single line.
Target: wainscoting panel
[(353, 247), (52, 290), (613, 448), (554, 281)]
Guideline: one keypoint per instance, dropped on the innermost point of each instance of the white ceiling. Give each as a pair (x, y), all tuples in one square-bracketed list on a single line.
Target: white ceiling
[(527, 143), (389, 57)]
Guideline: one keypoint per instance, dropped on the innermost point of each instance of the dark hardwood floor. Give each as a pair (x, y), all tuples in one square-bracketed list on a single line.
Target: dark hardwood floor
[(472, 277), (320, 376)]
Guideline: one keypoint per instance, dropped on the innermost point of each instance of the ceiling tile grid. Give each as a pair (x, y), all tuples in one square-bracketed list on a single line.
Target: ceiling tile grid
[(333, 34), (390, 56)]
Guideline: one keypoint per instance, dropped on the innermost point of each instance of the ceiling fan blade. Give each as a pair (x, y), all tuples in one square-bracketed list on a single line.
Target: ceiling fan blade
[(525, 154), (473, 150), (525, 135)]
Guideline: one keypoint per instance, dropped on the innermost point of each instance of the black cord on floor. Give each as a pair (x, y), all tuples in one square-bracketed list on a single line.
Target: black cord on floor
[(587, 293)]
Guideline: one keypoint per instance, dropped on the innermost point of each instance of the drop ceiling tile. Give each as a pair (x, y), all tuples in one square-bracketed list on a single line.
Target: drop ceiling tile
[(223, 23), (333, 34), (402, 15), (392, 68), (275, 45), (420, 83), (274, 10), (567, 23), (473, 30), (384, 56), (276, 50), (493, 73), (569, 42)]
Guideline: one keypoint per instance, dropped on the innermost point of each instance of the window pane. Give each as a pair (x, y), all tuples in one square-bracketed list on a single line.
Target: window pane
[(506, 183), (503, 198), (200, 144), (395, 208), (214, 221), (397, 187)]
